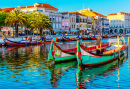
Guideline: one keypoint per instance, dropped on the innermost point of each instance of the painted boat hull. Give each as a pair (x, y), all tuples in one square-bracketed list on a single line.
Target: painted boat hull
[(96, 61), (88, 58), (87, 74), (105, 37), (64, 59), (58, 55), (64, 39), (22, 44), (91, 38)]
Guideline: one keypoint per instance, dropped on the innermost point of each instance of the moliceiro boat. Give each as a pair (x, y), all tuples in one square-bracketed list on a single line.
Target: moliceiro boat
[(58, 55), (99, 56), (22, 43), (69, 39), (89, 38)]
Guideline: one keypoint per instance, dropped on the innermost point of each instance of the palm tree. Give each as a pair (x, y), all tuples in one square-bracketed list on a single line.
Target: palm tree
[(2, 18), (16, 18), (38, 21)]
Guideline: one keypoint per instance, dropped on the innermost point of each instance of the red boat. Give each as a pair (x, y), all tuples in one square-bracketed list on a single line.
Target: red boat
[(69, 39), (22, 43), (105, 37), (89, 38)]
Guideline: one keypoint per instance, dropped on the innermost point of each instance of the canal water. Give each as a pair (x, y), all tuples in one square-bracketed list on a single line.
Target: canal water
[(27, 68)]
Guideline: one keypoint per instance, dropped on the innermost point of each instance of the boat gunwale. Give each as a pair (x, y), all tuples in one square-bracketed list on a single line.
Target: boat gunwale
[(96, 54), (64, 50)]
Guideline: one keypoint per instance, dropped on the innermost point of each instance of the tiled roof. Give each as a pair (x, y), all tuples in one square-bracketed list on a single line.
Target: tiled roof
[(77, 13), (122, 13), (98, 14), (41, 5), (8, 9)]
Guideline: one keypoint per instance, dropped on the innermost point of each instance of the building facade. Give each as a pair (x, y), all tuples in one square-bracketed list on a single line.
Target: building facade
[(45, 9), (101, 24), (77, 21), (119, 22), (99, 21)]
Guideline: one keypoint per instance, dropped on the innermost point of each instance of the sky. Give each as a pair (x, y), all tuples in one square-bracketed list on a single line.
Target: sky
[(104, 7)]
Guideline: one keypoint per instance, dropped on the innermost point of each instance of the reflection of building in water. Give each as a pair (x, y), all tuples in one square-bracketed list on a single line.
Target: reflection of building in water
[(90, 74)]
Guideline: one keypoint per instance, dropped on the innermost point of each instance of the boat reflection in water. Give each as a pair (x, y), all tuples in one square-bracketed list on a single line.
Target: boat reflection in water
[(58, 70), (86, 75)]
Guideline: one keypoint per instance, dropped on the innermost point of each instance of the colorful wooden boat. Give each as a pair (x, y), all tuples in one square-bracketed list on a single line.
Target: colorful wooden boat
[(69, 39), (99, 56), (22, 43), (84, 75), (58, 55), (89, 38), (105, 37)]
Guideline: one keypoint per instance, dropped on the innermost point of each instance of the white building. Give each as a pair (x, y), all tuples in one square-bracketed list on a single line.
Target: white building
[(76, 21), (101, 24), (46, 9), (119, 22)]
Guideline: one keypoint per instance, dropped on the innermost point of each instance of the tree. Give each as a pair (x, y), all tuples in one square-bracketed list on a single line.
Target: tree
[(2, 18), (16, 18), (39, 22)]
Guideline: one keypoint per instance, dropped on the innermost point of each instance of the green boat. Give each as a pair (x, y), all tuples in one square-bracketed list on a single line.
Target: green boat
[(98, 57), (58, 55), (84, 75)]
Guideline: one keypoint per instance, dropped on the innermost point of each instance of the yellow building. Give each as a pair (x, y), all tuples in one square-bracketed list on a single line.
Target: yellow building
[(119, 22), (99, 23), (90, 12)]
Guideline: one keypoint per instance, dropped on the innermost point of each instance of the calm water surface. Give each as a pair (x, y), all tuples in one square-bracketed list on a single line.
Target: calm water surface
[(27, 68)]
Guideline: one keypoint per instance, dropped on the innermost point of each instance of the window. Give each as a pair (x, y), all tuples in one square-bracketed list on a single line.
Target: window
[(77, 26), (53, 19), (53, 25), (56, 19), (59, 19), (72, 19), (89, 26), (40, 10), (74, 26), (50, 19), (63, 24), (80, 20), (59, 26), (67, 24), (56, 25), (80, 25)]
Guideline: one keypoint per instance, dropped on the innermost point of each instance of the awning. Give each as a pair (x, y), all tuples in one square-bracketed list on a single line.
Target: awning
[(73, 30), (58, 30), (5, 29)]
